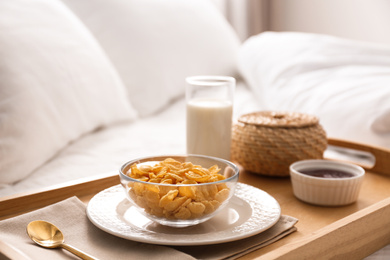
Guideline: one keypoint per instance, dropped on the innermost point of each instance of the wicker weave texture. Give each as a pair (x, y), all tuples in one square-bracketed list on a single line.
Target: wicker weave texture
[(269, 150)]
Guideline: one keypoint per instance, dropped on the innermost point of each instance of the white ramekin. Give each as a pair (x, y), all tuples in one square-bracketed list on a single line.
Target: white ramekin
[(326, 191)]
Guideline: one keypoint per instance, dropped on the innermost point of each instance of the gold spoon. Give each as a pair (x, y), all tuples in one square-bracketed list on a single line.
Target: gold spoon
[(48, 235)]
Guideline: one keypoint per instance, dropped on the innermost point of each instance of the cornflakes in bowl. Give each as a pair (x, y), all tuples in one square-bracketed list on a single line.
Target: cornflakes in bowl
[(179, 191)]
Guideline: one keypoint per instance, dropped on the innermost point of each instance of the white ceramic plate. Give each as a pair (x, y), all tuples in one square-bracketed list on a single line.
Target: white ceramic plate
[(250, 212)]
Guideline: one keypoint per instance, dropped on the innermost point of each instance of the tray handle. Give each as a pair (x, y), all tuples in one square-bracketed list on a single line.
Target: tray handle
[(382, 155)]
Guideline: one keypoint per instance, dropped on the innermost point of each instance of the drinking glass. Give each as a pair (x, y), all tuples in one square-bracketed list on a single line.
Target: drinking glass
[(209, 115)]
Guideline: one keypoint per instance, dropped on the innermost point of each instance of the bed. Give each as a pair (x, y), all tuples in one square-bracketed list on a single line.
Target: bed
[(90, 85)]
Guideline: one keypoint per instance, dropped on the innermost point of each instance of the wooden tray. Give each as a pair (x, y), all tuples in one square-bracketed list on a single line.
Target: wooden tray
[(353, 231)]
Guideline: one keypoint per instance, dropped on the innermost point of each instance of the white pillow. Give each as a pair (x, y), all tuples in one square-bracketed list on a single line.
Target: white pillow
[(56, 84), (344, 82), (155, 44)]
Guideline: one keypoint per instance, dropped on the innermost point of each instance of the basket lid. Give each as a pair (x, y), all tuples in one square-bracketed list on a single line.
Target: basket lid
[(279, 119)]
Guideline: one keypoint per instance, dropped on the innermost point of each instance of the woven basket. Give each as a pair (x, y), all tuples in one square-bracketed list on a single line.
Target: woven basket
[(267, 142)]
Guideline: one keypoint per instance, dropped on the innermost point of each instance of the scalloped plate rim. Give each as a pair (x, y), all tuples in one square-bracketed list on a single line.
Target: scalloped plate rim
[(178, 240)]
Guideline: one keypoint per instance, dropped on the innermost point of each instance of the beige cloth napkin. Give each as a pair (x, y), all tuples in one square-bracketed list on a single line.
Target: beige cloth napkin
[(70, 216), (235, 249)]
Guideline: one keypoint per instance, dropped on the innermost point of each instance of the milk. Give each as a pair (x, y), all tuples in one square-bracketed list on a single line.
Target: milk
[(209, 123)]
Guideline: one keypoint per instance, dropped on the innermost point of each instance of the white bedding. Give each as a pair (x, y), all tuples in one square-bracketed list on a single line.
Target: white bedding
[(56, 85), (107, 149), (70, 67), (345, 83)]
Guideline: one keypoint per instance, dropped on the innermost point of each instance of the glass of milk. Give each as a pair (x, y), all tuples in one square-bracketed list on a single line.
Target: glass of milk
[(209, 115)]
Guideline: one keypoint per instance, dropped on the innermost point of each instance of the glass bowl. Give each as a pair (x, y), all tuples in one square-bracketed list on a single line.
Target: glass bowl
[(178, 204)]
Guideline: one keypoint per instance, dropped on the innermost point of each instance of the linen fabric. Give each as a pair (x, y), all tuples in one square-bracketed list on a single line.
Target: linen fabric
[(70, 217), (56, 84), (155, 44), (343, 82)]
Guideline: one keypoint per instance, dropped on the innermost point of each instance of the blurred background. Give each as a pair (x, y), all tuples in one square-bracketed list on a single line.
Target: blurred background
[(354, 19)]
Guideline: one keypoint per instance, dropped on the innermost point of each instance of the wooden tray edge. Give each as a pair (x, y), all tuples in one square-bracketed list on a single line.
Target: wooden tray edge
[(382, 155), (358, 234), (25, 202)]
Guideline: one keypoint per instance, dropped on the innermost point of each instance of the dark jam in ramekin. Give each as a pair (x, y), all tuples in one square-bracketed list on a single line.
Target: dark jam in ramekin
[(327, 173)]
